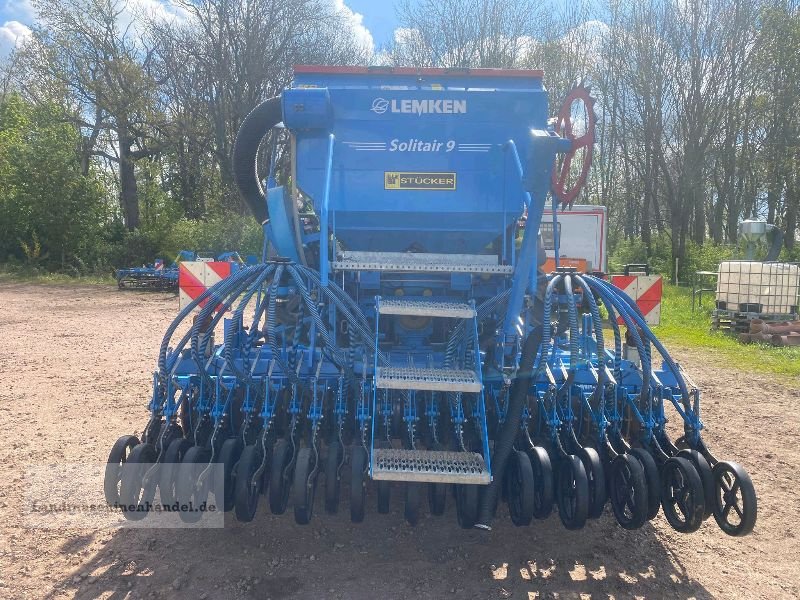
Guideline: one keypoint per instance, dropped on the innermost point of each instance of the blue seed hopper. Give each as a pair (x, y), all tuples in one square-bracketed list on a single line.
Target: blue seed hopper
[(401, 338)]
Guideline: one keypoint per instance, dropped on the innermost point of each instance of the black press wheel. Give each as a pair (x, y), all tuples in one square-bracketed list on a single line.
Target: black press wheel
[(572, 492), (682, 495), (653, 480), (628, 491), (135, 492), (706, 477), (437, 498), (597, 481), (116, 459), (332, 477), (735, 506), (413, 502), (520, 488), (543, 496), (170, 467), (304, 486), (228, 457), (467, 505), (192, 489), (280, 477), (384, 496), (247, 489), (358, 483)]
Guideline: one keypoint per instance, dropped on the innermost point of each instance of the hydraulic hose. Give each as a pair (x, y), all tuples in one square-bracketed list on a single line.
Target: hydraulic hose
[(255, 126), (502, 450)]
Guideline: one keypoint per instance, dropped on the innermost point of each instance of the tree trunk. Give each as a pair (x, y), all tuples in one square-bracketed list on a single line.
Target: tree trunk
[(128, 192)]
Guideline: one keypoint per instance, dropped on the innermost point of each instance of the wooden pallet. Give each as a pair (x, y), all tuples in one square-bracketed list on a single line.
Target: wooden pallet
[(736, 323)]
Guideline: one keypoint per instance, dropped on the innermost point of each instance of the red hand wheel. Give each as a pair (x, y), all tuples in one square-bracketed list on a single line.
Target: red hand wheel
[(563, 127)]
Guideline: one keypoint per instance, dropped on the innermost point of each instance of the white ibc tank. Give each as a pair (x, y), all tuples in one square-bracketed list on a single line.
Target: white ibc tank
[(749, 286)]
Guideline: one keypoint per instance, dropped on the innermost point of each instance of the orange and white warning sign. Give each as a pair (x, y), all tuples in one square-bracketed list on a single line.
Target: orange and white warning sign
[(195, 277), (646, 291)]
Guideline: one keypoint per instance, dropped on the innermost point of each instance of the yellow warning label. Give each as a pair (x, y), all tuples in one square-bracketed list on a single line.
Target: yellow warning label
[(398, 180)]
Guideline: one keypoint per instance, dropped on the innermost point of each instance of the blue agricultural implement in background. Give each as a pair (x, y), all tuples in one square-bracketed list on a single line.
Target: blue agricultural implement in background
[(153, 277), (408, 343)]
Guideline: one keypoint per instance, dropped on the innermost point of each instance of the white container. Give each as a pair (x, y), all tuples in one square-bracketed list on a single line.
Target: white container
[(749, 286)]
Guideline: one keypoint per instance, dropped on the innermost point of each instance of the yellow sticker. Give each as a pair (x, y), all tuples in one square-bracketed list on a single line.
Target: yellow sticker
[(401, 180)]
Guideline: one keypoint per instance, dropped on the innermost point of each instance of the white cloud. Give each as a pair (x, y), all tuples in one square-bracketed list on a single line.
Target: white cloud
[(356, 21), (12, 34)]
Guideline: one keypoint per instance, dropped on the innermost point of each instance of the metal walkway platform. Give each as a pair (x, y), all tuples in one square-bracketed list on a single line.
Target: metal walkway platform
[(441, 380), (426, 308), (432, 466)]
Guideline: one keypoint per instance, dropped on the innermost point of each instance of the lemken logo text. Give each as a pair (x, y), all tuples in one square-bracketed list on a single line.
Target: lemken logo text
[(419, 107)]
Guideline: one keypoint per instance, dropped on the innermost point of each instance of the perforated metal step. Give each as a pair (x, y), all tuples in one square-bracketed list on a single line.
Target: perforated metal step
[(420, 262), (429, 465), (426, 308), (442, 380)]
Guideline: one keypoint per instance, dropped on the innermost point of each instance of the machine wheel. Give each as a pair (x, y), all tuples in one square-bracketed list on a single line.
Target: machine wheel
[(597, 481), (653, 480), (228, 457), (628, 491), (169, 470), (542, 482), (519, 478), (278, 478), (358, 483), (467, 505), (332, 477), (247, 490), (413, 501), (437, 498), (118, 456), (304, 486), (734, 496), (384, 496), (683, 497), (189, 492), (135, 494), (700, 463), (572, 492)]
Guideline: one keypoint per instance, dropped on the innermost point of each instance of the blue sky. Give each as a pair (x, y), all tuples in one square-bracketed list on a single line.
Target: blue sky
[(376, 16)]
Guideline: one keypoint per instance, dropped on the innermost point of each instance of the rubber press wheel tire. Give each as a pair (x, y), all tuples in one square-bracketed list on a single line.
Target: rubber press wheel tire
[(118, 456), (384, 494), (437, 498), (278, 478), (595, 473), (332, 477), (572, 493), (467, 505), (136, 495), (682, 495), (734, 493), (304, 486), (190, 494), (413, 503), (358, 483), (521, 488), (543, 497), (653, 479), (706, 477), (628, 491), (228, 457), (170, 468), (247, 491)]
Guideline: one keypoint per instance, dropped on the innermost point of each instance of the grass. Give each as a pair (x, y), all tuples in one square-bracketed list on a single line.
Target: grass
[(8, 275), (679, 325)]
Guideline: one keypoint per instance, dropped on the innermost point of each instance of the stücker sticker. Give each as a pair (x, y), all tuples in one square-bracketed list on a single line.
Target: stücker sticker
[(400, 180)]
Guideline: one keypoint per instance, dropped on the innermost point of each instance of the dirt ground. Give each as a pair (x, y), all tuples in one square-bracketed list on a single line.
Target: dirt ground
[(75, 372)]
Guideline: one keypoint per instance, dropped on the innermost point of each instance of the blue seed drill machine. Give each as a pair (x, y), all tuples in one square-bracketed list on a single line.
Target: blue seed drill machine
[(407, 343)]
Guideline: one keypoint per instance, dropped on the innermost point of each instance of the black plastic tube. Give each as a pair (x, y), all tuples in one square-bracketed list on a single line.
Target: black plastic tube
[(511, 426), (255, 126)]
